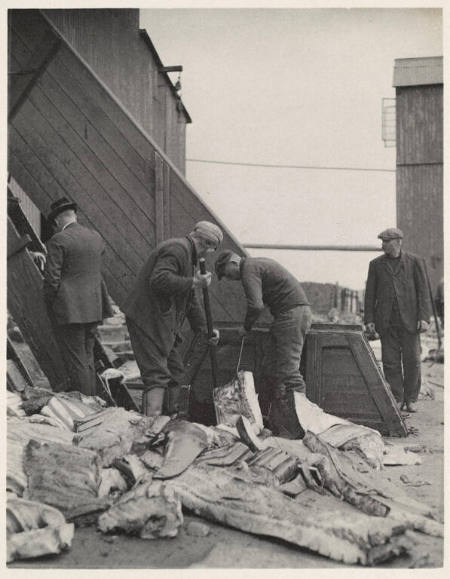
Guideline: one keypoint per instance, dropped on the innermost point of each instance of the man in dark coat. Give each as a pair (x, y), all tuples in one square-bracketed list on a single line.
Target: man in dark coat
[(162, 298), (398, 307), (75, 293), (268, 283)]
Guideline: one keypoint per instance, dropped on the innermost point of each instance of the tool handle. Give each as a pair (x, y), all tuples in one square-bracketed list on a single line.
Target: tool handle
[(433, 306), (209, 325), (240, 355), (206, 301)]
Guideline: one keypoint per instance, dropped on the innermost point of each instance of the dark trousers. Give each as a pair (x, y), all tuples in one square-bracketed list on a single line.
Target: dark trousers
[(157, 370), (76, 342), (400, 354), (281, 366)]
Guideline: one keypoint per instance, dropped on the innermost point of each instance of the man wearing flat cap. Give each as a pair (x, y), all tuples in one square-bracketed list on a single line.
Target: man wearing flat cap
[(398, 307), (75, 293), (268, 283), (162, 298)]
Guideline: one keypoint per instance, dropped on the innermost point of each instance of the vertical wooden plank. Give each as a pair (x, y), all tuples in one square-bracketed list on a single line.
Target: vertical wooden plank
[(27, 307), (419, 111), (313, 376), (420, 200), (159, 197), (167, 205)]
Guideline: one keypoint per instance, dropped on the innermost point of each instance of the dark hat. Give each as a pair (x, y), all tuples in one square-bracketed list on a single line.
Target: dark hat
[(221, 261), (59, 206), (391, 233)]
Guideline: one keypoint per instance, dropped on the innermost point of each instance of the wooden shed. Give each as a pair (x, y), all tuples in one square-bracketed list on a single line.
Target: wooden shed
[(419, 135), (125, 59), (70, 134), (76, 128)]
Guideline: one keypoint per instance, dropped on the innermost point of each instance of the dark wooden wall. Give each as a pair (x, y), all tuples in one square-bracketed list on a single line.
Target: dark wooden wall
[(110, 42), (71, 136), (419, 124), (419, 112), (26, 305)]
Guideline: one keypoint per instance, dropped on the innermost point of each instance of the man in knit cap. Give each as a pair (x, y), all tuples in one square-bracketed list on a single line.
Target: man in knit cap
[(267, 283), (162, 298), (397, 306)]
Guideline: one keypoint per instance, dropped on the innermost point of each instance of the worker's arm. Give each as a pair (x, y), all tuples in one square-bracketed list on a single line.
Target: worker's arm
[(423, 294), (195, 315), (370, 295), (439, 299), (166, 277), (52, 270), (252, 283)]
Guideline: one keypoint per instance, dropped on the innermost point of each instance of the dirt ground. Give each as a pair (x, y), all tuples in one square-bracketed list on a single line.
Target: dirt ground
[(228, 548)]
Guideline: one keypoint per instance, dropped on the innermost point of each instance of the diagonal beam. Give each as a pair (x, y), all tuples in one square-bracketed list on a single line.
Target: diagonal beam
[(22, 81)]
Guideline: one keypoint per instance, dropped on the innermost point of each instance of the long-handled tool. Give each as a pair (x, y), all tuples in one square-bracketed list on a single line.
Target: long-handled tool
[(209, 324), (240, 355), (433, 306)]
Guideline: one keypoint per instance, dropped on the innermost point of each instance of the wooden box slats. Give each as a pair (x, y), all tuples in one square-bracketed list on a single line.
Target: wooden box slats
[(343, 378)]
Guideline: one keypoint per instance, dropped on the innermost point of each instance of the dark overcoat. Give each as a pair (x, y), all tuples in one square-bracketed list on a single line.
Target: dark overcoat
[(74, 289), (162, 297), (408, 285)]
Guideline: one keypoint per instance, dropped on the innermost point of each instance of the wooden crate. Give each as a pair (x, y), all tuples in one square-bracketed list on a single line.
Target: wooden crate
[(344, 379)]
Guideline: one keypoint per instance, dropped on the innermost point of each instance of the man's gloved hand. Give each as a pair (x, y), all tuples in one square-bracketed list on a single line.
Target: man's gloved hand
[(370, 328), (202, 280), (243, 332), (214, 339), (422, 326)]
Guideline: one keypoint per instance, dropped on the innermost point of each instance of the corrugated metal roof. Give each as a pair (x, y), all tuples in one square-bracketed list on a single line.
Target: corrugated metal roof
[(418, 71)]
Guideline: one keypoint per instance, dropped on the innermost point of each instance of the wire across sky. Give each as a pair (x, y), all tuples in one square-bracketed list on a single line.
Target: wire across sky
[(314, 167)]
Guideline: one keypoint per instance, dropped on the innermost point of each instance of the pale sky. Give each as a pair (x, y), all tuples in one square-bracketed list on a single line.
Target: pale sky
[(294, 87)]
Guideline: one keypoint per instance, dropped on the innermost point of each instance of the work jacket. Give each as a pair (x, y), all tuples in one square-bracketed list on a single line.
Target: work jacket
[(162, 297), (408, 286), (267, 283), (74, 290)]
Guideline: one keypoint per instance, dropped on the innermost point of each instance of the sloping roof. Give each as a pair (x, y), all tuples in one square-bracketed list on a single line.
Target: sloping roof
[(418, 71)]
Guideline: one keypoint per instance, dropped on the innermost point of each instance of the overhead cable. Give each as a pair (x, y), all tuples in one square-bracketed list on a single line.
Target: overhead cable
[(315, 167)]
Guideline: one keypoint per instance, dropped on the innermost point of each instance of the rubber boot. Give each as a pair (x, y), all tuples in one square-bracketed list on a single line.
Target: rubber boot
[(152, 402), (172, 395), (184, 402), (283, 417)]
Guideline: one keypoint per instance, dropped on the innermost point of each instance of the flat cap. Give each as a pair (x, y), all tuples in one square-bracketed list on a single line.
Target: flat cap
[(221, 261), (391, 233), (209, 231)]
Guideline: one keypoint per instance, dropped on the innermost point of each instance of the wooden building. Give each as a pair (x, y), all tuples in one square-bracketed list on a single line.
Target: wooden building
[(77, 129), (419, 136), (79, 126), (124, 58)]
